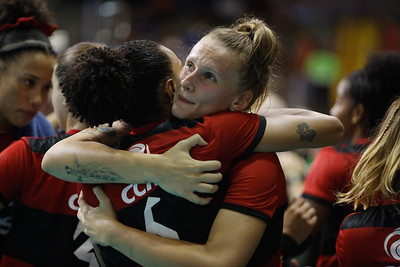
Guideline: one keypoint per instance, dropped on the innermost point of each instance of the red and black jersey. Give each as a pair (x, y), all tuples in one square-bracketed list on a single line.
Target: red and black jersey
[(370, 238), (230, 135), (44, 230), (257, 187), (330, 173)]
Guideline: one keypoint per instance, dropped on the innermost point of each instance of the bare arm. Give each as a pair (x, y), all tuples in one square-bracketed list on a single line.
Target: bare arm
[(232, 241), (81, 158), (289, 129)]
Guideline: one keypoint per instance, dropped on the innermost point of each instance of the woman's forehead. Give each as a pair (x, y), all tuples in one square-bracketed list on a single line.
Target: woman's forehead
[(209, 45), (212, 54)]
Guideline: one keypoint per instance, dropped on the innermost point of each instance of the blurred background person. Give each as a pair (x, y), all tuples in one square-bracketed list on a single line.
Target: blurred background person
[(370, 237), (362, 100), (26, 66)]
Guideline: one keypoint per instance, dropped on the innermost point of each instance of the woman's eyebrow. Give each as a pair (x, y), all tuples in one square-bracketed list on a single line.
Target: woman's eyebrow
[(30, 75)]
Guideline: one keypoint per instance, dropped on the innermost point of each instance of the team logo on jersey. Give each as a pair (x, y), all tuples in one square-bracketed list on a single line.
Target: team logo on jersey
[(73, 201), (392, 244), (140, 148)]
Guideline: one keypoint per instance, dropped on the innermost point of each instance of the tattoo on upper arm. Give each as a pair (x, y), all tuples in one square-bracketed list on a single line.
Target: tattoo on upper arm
[(306, 134), (83, 172)]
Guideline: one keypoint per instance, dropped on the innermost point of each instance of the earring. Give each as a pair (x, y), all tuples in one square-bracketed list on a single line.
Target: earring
[(232, 109)]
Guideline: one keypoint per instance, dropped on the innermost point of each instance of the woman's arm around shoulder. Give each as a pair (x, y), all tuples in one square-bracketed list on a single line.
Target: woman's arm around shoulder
[(289, 129), (85, 158)]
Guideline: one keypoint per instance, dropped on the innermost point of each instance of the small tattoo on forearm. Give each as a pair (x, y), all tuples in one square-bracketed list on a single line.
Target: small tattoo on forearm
[(306, 134), (110, 131), (83, 172)]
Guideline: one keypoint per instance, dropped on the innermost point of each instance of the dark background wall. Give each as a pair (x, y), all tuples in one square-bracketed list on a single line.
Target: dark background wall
[(322, 40)]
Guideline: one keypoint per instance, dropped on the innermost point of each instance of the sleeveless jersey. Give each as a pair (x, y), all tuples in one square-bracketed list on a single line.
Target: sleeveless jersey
[(45, 229)]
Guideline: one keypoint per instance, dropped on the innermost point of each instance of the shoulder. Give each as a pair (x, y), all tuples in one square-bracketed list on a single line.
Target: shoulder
[(375, 216), (235, 120), (42, 144), (237, 115)]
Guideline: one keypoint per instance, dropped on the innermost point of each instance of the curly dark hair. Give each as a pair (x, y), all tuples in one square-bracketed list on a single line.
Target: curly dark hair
[(98, 77), (106, 85), (151, 68), (11, 10), (376, 85)]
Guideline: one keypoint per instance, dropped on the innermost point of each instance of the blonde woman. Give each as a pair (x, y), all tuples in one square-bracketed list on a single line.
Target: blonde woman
[(371, 237)]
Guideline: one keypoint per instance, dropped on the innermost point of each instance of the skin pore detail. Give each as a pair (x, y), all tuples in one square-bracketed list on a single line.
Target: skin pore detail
[(90, 171), (306, 134)]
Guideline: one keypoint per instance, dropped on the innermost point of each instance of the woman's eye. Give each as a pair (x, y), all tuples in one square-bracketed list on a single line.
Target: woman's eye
[(189, 65), (29, 82), (210, 76)]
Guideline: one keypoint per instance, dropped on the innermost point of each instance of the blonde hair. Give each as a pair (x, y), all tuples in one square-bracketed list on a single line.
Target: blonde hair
[(375, 177), (257, 48)]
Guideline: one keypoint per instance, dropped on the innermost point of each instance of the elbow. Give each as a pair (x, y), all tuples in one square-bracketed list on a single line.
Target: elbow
[(48, 162), (46, 165), (338, 130)]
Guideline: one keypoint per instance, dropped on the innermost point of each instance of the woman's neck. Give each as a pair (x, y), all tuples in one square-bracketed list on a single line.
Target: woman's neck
[(5, 125), (73, 123)]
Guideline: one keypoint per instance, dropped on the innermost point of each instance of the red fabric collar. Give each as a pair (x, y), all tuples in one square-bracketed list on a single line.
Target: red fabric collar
[(73, 131)]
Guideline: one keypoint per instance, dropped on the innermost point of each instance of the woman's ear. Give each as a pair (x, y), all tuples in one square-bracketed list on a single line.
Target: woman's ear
[(358, 113), (170, 88), (64, 102), (242, 102)]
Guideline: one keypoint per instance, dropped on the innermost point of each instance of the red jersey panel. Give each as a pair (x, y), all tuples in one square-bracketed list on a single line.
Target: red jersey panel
[(370, 238), (257, 187), (229, 135), (44, 230), (331, 172)]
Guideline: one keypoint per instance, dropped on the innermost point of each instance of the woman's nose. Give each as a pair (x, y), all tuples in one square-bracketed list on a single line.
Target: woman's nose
[(38, 97)]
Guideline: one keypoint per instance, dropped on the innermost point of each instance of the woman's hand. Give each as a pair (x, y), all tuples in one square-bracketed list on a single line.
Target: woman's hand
[(100, 220), (299, 220), (182, 175)]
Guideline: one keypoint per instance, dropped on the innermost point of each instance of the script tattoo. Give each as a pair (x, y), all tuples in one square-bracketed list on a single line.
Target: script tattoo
[(81, 171), (306, 134)]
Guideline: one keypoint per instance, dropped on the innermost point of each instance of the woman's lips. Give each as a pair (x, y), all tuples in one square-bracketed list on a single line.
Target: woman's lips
[(29, 114), (182, 99)]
